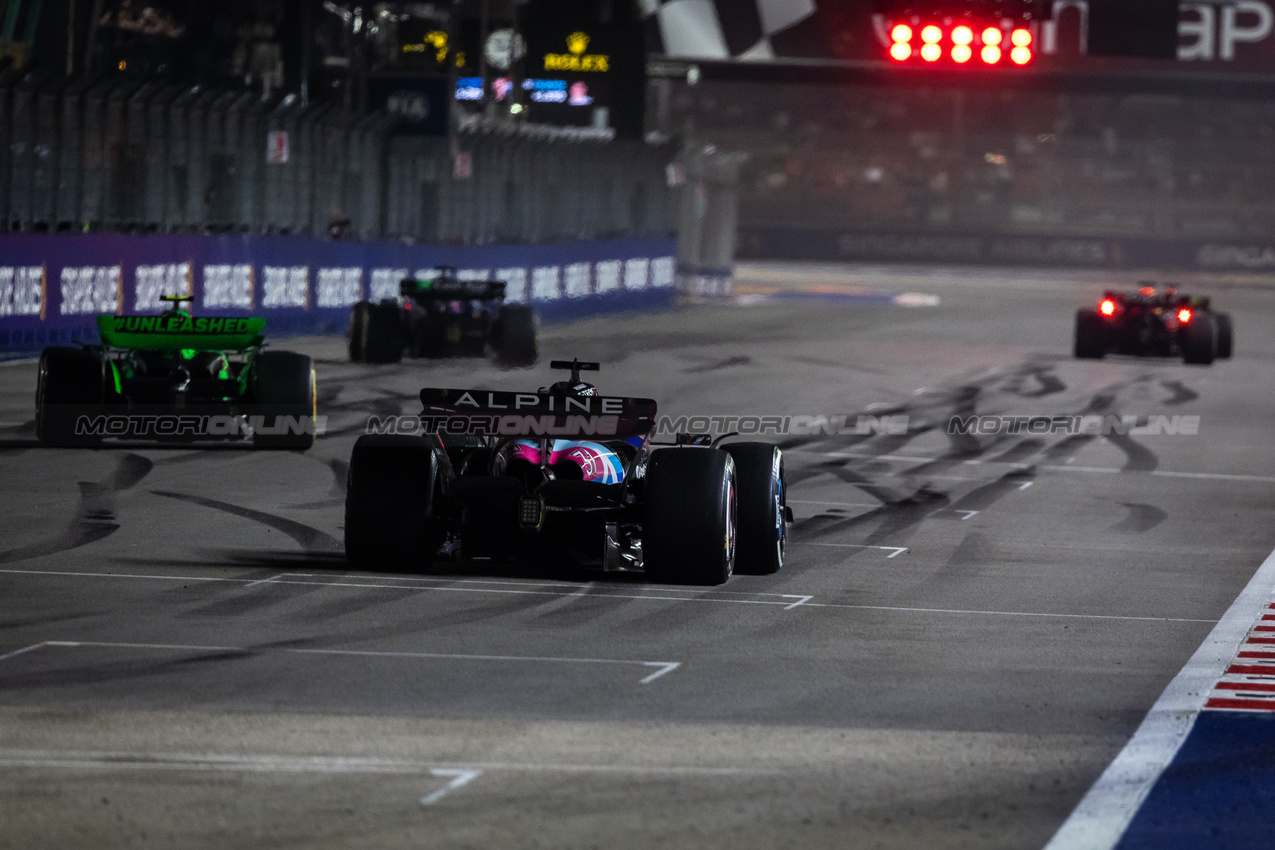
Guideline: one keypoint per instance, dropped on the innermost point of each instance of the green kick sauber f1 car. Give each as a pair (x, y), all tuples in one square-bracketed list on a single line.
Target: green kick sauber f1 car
[(176, 377)]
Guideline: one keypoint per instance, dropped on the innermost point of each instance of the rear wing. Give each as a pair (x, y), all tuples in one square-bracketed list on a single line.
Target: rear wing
[(172, 333), (450, 289), (488, 413)]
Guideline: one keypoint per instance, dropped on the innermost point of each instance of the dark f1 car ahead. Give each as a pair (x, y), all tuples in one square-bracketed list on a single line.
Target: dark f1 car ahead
[(444, 317), (175, 377), (1155, 324), (564, 474)]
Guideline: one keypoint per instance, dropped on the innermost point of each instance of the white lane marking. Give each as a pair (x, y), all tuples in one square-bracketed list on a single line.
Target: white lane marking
[(668, 666), (459, 777), (665, 667), (77, 760), (1025, 485), (568, 590), (1105, 470), (1102, 817), (839, 504), (801, 600), (1213, 476), (894, 550), (270, 580), (985, 613), (18, 652), (968, 514)]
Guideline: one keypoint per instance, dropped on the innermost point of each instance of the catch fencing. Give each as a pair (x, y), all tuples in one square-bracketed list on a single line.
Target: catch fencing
[(121, 155)]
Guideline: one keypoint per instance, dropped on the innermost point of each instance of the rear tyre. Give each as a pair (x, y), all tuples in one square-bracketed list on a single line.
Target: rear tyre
[(357, 334), (1199, 340), (1091, 335), (762, 532), (1225, 335), (513, 336), (70, 385), (376, 333), (688, 536), (284, 391), (389, 497)]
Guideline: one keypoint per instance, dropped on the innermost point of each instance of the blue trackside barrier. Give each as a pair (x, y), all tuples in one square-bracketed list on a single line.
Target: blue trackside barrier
[(53, 286)]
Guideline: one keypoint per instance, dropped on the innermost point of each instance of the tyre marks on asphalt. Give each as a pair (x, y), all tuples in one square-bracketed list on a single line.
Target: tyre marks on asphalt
[(1141, 518), (308, 537), (95, 518)]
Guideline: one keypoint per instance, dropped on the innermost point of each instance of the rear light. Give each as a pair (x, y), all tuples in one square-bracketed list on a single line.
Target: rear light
[(1020, 55), (991, 54), (1107, 307), (962, 35), (931, 52), (992, 35), (1184, 315), (901, 33), (931, 34), (961, 53), (1021, 38), (901, 51)]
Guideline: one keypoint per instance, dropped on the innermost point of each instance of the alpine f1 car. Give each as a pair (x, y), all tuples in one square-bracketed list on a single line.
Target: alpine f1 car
[(444, 317), (566, 474), (1154, 324), (176, 377)]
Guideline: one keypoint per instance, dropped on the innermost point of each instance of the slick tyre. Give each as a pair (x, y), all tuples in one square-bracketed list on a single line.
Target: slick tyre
[(1225, 335), (514, 337), (1091, 335), (284, 391), (389, 501), (762, 532), (376, 333), (70, 385), (688, 536), (1199, 340)]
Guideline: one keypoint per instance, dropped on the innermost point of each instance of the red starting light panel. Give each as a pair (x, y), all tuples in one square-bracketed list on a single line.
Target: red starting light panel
[(932, 42)]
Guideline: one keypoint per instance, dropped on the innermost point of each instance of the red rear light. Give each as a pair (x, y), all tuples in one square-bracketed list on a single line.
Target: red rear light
[(1021, 38), (407, 305), (931, 34), (992, 35), (1184, 315), (962, 35), (961, 53), (1020, 55), (1107, 307), (901, 33), (900, 51), (931, 52), (991, 54)]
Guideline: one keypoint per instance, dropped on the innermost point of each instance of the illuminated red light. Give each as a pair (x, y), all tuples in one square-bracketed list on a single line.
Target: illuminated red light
[(1184, 315), (1021, 38), (1020, 55), (991, 54), (992, 35), (962, 35), (931, 52), (961, 53), (900, 51), (901, 33), (931, 34), (1107, 307)]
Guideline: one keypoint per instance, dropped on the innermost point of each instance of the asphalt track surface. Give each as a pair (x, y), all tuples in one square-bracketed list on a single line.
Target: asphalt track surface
[(966, 632)]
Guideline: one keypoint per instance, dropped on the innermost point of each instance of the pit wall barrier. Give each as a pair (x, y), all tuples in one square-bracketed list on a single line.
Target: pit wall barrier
[(1095, 252), (53, 286)]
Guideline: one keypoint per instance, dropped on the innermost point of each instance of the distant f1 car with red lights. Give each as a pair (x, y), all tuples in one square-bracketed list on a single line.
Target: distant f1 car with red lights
[(444, 317), (1154, 324), (567, 475)]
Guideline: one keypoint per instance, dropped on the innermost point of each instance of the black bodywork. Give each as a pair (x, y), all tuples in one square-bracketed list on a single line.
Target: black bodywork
[(443, 317), (1151, 323)]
